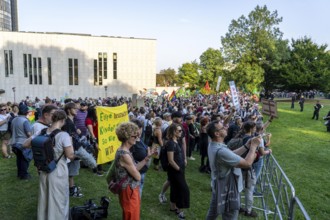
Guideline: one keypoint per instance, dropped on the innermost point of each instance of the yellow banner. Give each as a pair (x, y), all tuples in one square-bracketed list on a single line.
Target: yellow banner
[(108, 119)]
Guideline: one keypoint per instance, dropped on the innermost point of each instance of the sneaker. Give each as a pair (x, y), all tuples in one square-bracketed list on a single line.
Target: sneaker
[(181, 215), (257, 193), (252, 214), (162, 198), (98, 173), (8, 157), (242, 210), (191, 158), (75, 192)]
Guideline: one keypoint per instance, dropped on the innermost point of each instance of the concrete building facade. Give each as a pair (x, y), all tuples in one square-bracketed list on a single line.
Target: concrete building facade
[(74, 65), (8, 15)]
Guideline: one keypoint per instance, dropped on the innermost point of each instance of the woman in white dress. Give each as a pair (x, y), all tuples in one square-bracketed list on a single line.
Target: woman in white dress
[(53, 202)]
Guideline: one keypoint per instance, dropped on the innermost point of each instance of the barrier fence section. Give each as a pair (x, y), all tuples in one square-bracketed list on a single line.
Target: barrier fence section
[(278, 199)]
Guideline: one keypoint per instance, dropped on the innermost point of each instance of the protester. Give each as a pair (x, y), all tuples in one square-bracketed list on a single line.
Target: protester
[(80, 118), (157, 141), (180, 194), (53, 202), (139, 152), (92, 127), (204, 143), (4, 134), (21, 130), (74, 165), (224, 162), (129, 196), (176, 118)]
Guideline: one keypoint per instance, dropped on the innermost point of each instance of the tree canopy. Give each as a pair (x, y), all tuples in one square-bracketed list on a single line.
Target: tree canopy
[(254, 55)]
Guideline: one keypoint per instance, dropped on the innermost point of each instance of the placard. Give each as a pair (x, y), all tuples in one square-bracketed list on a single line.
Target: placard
[(269, 107), (108, 120)]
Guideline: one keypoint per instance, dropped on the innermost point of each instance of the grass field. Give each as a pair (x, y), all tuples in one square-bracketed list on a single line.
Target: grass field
[(300, 145)]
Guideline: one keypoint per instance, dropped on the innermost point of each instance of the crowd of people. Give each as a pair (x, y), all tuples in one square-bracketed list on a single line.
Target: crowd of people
[(231, 142)]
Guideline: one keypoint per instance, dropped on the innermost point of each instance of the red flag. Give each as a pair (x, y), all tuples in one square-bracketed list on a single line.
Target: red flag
[(207, 86)]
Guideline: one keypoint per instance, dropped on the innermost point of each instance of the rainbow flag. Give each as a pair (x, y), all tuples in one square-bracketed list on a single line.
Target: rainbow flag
[(31, 115), (172, 97)]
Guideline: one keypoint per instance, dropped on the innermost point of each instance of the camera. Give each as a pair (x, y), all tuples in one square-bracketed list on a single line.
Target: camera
[(81, 141), (90, 210)]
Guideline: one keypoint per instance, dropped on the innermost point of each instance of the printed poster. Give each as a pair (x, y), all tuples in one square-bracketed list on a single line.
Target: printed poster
[(234, 95), (108, 120)]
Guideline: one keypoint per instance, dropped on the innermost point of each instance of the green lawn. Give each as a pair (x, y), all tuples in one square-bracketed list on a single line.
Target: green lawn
[(300, 145)]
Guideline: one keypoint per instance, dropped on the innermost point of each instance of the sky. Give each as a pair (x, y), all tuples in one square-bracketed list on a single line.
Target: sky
[(183, 29)]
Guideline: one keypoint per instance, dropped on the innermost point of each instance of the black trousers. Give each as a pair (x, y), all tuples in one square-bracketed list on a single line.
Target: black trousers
[(180, 194), (316, 115)]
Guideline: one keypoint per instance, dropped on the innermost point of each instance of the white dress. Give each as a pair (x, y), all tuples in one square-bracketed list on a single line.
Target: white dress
[(53, 200)]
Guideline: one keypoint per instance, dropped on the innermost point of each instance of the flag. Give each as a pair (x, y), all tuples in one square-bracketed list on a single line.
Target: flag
[(180, 92), (172, 97), (207, 86)]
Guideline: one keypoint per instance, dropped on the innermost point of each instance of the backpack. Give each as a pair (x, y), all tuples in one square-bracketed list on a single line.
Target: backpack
[(10, 122), (163, 158), (235, 143), (148, 130), (43, 151)]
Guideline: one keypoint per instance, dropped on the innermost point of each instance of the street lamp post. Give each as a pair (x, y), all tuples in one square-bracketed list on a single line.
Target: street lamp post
[(106, 89), (14, 90)]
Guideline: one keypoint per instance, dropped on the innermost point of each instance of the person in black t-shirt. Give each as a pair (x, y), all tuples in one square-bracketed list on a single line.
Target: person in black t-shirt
[(140, 151), (317, 108), (180, 194), (74, 166)]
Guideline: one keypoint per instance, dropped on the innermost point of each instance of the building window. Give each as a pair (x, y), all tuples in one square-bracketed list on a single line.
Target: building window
[(40, 70), (100, 69), (105, 65), (25, 65), (76, 72), (11, 67), (95, 72), (49, 65), (30, 69), (70, 72), (6, 64), (114, 65), (35, 73)]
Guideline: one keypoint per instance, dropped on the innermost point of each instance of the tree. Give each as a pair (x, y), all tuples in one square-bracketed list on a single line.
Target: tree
[(308, 66), (188, 73), (250, 43), (211, 65), (166, 77)]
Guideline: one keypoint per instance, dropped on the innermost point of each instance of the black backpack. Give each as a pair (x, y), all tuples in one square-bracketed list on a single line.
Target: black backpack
[(43, 151), (235, 143), (148, 130), (12, 116), (163, 158)]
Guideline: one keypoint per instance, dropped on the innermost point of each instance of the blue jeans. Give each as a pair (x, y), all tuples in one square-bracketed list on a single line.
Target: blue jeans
[(21, 163), (257, 166), (143, 175), (212, 213)]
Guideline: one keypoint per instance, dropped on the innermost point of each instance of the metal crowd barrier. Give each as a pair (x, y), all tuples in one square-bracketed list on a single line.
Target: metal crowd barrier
[(278, 199)]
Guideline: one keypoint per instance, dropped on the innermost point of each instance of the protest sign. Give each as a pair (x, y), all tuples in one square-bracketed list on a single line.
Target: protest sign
[(218, 83), (108, 120), (234, 95), (269, 107)]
